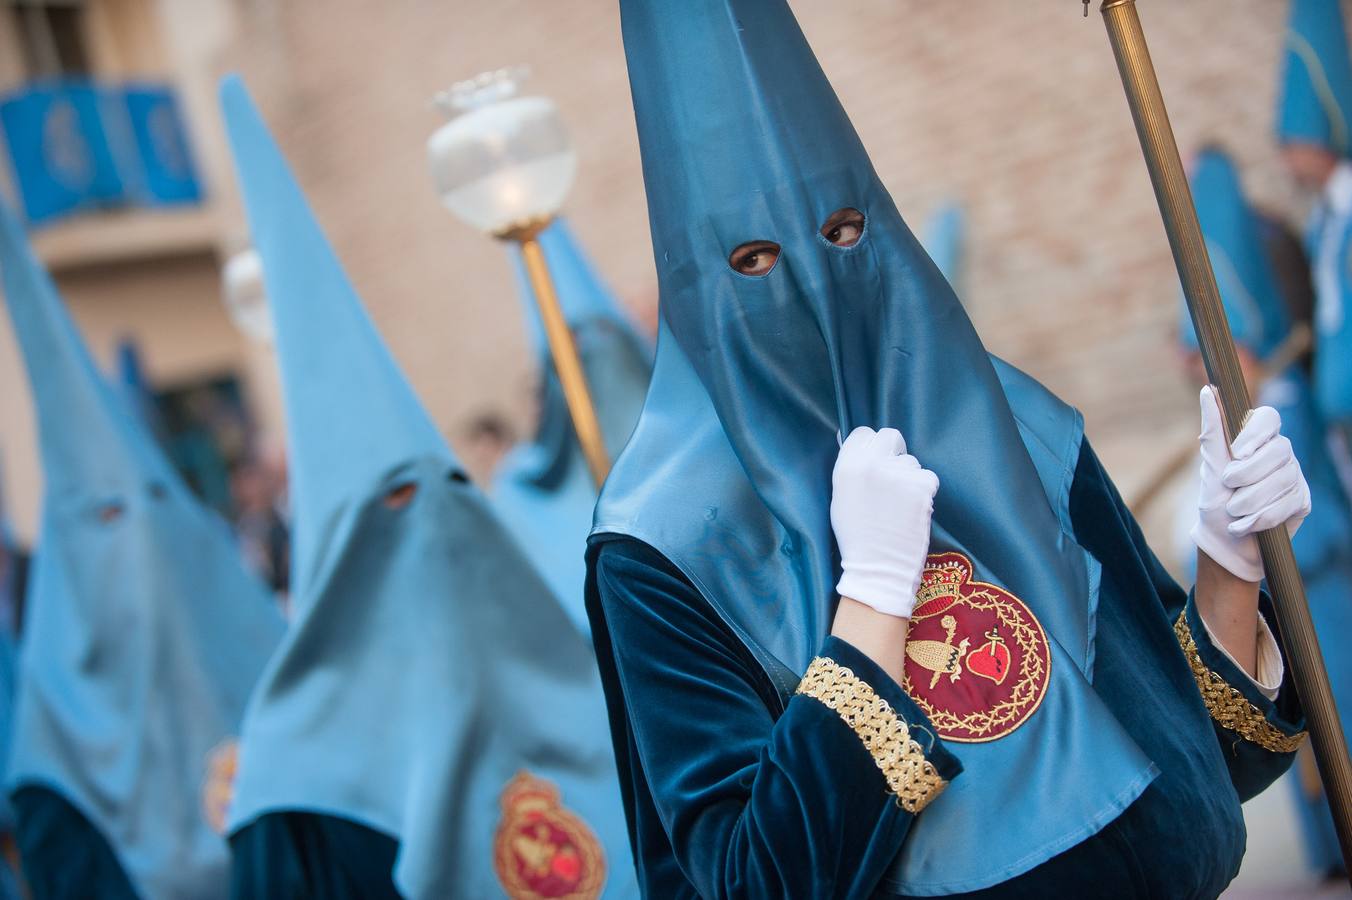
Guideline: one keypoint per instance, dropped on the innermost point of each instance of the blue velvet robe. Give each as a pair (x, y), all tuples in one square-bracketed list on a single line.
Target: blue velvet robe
[(64, 856), (312, 855), (732, 792)]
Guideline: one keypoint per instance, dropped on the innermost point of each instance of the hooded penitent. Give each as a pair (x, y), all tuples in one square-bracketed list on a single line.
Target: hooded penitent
[(1256, 310), (1316, 94), (543, 489), (10, 604), (728, 472), (431, 686), (1248, 285), (943, 238), (143, 632), (130, 377)]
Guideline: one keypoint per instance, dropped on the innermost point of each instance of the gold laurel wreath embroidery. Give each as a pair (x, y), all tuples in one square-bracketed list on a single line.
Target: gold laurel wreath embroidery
[(910, 776), (1227, 705), (1025, 691)]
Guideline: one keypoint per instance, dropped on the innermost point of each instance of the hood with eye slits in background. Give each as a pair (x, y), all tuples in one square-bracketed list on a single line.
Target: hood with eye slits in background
[(144, 633), (429, 664)]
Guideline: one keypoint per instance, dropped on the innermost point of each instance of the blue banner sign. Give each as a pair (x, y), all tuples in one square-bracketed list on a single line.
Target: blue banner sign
[(79, 145)]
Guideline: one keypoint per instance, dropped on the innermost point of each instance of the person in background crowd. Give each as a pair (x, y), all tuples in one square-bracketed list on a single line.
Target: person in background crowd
[(262, 532), (432, 726), (13, 583), (871, 618), (142, 636), (1254, 296), (487, 439), (14, 567), (1313, 121)]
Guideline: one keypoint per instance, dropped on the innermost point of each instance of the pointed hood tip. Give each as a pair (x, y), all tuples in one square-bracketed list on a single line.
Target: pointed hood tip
[(87, 438), (351, 413)]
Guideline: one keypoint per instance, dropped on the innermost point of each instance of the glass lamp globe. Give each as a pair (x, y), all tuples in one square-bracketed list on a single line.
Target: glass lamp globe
[(503, 163), (245, 299)]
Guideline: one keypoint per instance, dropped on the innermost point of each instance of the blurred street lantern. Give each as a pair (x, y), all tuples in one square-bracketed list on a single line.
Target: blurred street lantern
[(504, 164), (245, 298)]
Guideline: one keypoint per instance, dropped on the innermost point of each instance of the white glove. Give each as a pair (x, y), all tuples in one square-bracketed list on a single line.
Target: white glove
[(881, 504), (1254, 485)]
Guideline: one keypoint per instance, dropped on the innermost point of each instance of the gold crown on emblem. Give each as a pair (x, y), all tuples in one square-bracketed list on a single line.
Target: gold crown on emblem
[(940, 581)]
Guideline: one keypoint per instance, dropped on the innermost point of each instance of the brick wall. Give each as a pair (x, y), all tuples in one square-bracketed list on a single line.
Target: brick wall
[(1013, 109)]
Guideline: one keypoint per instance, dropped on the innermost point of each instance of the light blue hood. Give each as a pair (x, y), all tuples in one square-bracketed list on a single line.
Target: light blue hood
[(428, 664), (1315, 104), (144, 633)]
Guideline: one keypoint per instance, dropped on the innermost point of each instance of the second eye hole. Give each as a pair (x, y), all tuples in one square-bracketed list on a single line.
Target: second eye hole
[(844, 227)]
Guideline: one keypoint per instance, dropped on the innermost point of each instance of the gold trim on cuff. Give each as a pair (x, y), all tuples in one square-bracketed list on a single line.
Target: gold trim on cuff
[(1227, 705), (910, 776)]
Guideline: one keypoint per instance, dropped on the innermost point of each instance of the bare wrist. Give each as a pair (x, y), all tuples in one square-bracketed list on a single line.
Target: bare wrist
[(1229, 607), (879, 636)]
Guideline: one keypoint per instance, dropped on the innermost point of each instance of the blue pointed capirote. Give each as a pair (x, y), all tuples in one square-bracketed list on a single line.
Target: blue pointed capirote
[(543, 489), (143, 631), (430, 680), (1315, 105), (1249, 288), (944, 238), (728, 472)]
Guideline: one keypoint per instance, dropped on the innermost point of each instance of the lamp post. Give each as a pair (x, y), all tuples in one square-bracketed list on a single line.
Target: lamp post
[(504, 164), (245, 299)]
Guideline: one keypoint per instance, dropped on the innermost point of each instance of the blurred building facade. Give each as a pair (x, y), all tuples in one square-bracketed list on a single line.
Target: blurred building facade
[(1012, 110)]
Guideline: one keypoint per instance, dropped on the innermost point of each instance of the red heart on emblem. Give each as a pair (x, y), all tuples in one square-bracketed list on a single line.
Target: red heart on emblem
[(990, 660), (567, 866)]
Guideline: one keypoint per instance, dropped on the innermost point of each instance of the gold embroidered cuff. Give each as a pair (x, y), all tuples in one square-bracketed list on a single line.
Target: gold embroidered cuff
[(910, 776), (1227, 705)]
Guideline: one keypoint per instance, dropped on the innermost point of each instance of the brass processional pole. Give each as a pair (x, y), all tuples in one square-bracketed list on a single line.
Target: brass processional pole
[(1222, 366), (563, 351)]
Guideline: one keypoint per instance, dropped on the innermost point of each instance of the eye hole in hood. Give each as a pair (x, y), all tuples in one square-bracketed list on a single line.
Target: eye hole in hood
[(844, 227), (400, 495), (109, 511), (754, 258)]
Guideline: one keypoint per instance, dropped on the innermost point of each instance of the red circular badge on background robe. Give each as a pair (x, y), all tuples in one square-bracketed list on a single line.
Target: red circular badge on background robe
[(977, 660), (542, 851)]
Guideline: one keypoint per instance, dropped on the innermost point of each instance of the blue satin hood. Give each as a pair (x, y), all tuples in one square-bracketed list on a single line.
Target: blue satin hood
[(728, 471), (1315, 104), (543, 489), (1249, 288), (143, 632), (428, 664)]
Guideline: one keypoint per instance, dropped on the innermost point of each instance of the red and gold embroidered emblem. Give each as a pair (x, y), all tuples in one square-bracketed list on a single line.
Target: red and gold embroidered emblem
[(977, 660), (542, 850), (218, 787)]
